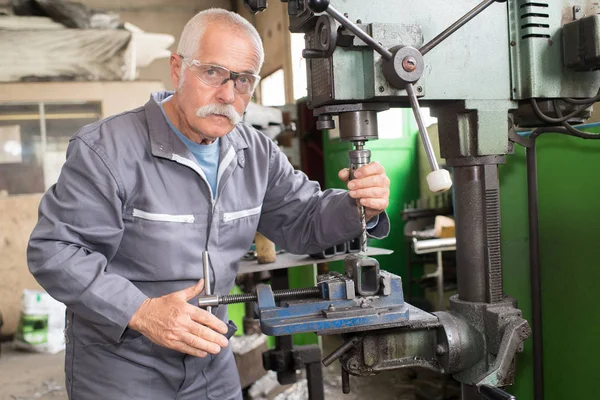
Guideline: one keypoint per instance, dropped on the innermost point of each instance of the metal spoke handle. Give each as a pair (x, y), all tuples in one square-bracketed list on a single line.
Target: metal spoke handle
[(438, 179), (457, 25)]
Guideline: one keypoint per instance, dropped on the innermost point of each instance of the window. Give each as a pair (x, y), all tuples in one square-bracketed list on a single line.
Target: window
[(272, 89), (390, 123), (34, 139), (298, 66)]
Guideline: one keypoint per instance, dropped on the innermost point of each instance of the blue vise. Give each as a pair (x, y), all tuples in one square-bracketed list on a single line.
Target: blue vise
[(361, 299)]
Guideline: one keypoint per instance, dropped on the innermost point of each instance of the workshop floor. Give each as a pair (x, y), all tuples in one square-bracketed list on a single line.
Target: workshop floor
[(29, 376)]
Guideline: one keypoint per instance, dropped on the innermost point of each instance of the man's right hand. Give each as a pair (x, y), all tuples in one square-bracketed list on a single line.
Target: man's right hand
[(170, 321)]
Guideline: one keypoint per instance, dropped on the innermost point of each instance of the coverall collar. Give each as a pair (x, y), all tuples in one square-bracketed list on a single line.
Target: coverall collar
[(163, 141)]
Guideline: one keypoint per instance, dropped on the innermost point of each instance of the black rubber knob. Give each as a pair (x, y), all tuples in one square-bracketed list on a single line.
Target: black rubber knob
[(318, 6)]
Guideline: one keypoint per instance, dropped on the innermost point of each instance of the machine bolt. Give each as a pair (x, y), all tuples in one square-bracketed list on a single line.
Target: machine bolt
[(381, 89), (324, 37), (513, 43), (331, 307), (440, 350), (409, 64), (419, 89), (353, 365)]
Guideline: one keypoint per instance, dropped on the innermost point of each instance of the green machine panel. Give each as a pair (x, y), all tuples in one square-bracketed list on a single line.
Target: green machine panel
[(569, 219)]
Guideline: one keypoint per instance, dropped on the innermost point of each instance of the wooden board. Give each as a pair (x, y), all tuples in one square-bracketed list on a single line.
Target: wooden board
[(18, 216)]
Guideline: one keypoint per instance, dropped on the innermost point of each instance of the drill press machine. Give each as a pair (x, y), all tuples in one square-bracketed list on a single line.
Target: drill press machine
[(503, 64)]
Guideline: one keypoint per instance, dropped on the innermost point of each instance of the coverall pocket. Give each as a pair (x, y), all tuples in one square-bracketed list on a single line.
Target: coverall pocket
[(185, 218), (233, 215), (114, 371), (161, 245), (237, 228)]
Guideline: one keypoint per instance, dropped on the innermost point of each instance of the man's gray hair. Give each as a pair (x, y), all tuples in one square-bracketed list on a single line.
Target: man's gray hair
[(189, 43)]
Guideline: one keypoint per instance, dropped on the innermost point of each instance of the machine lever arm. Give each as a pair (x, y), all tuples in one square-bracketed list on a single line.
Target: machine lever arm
[(337, 353), (493, 393), (457, 25), (438, 179)]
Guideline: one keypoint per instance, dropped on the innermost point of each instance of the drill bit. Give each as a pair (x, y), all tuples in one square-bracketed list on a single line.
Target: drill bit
[(359, 157), (363, 238)]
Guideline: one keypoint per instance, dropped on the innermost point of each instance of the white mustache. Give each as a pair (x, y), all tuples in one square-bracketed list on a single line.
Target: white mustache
[(226, 110)]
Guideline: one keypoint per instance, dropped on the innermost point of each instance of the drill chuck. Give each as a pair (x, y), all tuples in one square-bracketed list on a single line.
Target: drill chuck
[(358, 158)]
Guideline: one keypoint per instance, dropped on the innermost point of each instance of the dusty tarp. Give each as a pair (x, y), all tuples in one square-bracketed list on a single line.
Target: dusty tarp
[(12, 23), (69, 14), (65, 54)]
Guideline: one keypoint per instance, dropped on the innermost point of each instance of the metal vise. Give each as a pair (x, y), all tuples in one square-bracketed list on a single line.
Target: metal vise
[(363, 298), (475, 342)]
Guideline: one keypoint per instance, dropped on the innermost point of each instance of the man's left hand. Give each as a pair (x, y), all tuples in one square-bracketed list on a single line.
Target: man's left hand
[(370, 186)]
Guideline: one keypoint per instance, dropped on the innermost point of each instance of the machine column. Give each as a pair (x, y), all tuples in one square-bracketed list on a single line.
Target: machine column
[(478, 255), (477, 212)]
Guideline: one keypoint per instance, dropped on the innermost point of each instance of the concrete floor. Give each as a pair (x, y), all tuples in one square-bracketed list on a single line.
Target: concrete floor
[(29, 376), (23, 374)]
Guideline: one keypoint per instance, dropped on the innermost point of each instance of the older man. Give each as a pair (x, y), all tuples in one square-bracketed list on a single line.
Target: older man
[(143, 193)]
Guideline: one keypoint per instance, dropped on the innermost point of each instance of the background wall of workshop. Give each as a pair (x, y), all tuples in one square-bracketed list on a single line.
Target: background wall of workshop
[(18, 214), (568, 224)]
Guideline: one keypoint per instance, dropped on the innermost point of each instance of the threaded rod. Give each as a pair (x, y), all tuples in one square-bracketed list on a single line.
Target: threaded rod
[(288, 294)]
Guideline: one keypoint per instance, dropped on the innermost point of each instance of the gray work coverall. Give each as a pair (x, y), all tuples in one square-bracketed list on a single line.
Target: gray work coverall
[(129, 218)]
